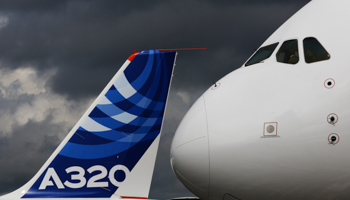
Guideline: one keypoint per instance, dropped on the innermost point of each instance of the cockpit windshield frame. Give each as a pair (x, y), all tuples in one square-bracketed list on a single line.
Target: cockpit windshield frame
[(262, 54), (288, 52), (314, 51)]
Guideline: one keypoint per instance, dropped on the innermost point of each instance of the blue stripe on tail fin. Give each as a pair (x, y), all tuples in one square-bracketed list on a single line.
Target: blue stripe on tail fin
[(110, 139)]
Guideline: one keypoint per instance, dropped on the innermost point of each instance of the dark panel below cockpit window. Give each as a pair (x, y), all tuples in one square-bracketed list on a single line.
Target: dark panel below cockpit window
[(314, 51), (262, 54), (288, 53)]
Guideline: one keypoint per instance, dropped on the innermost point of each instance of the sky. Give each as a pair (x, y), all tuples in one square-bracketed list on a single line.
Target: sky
[(56, 56)]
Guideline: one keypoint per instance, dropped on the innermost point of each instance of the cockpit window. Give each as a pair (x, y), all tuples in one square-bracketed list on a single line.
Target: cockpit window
[(262, 54), (288, 53), (314, 51)]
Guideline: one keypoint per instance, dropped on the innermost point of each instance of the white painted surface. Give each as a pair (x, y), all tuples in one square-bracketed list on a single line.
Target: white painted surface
[(300, 163)]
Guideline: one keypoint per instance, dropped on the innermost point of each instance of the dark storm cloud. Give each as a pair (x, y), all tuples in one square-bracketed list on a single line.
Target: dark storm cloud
[(84, 39), (87, 41)]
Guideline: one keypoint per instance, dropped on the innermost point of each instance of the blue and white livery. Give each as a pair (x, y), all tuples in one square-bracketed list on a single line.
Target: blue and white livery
[(111, 151)]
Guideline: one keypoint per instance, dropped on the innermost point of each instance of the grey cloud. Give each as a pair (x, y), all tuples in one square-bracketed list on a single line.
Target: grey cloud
[(25, 151), (85, 38)]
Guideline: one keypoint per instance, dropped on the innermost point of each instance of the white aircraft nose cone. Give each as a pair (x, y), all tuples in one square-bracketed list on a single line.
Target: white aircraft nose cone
[(189, 150)]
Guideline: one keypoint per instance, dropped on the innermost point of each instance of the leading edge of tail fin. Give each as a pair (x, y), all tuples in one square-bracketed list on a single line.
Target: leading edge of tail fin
[(111, 151)]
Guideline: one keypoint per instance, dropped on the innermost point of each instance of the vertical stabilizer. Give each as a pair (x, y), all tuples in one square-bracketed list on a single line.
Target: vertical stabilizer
[(111, 151)]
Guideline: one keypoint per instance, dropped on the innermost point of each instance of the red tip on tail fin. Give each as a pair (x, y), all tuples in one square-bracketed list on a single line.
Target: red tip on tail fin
[(132, 56)]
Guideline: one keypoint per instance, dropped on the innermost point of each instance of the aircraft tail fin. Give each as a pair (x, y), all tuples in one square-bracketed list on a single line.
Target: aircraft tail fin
[(111, 151)]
